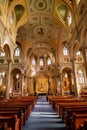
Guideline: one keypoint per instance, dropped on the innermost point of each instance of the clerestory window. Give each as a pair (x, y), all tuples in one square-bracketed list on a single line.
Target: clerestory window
[(17, 51)]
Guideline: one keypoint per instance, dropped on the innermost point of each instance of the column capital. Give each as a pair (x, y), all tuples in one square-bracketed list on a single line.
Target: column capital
[(9, 60)]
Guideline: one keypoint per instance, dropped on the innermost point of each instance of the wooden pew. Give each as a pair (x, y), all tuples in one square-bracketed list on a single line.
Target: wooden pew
[(24, 104), (29, 103), (13, 113), (15, 106), (69, 115), (52, 99), (29, 98), (12, 121), (62, 107), (77, 120), (85, 124), (81, 127), (4, 126), (71, 100)]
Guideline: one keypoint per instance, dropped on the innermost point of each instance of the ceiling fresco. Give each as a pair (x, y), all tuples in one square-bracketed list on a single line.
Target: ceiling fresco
[(43, 25), (31, 22)]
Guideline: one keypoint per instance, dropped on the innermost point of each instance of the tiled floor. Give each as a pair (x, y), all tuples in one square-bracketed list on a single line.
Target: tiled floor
[(43, 117)]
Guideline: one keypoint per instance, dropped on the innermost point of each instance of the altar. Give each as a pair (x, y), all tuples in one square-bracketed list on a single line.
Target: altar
[(42, 85)]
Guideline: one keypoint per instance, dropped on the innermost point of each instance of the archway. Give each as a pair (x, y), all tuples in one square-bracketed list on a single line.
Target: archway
[(4, 71), (16, 81), (66, 81)]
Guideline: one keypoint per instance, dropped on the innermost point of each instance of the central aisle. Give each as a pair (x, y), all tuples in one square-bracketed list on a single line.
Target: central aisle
[(43, 117)]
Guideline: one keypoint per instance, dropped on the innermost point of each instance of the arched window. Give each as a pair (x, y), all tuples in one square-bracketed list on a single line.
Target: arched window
[(65, 51), (78, 53), (33, 61), (2, 74), (0, 80), (41, 62), (2, 54), (17, 51), (48, 61), (81, 77)]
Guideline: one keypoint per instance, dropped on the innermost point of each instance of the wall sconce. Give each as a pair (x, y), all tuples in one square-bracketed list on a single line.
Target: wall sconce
[(66, 75), (3, 74), (17, 76)]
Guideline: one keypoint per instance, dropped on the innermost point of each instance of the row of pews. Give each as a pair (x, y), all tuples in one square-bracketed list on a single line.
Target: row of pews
[(15, 111), (72, 110)]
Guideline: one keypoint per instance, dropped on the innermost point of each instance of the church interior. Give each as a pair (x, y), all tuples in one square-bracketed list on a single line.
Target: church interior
[(43, 50)]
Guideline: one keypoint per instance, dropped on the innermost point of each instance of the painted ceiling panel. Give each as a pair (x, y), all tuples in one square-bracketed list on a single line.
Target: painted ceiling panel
[(19, 10), (62, 11), (40, 6)]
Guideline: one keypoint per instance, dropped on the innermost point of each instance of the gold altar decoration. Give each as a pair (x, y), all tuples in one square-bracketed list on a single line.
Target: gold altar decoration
[(42, 85)]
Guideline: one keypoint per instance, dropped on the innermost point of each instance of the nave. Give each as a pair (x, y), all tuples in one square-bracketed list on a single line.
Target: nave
[(43, 117)]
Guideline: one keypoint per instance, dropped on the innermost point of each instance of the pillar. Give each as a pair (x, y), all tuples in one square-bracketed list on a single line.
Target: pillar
[(22, 89), (8, 78), (75, 77), (38, 64), (60, 83)]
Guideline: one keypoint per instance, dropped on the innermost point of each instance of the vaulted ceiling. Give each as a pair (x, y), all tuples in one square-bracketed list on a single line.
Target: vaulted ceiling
[(46, 22), (40, 23)]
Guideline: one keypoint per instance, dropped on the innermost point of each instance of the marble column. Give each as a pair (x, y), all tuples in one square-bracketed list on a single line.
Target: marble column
[(8, 78), (74, 77), (60, 84), (38, 64), (22, 89)]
